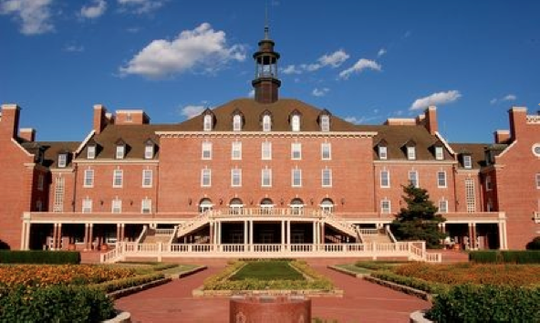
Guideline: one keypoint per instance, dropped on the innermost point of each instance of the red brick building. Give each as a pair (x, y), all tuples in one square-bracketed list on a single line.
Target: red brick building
[(265, 171)]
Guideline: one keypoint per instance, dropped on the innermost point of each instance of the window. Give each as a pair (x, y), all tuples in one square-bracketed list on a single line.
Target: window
[(383, 152), (443, 206), (129, 117), (488, 183), (147, 175), (148, 151), (327, 205), (411, 153), (439, 153), (88, 178), (296, 177), (297, 206), (236, 177), (295, 122), (266, 150), (237, 122), (91, 152), (236, 151), (146, 205), (87, 205), (441, 179), (206, 177), (326, 177), (59, 189), (266, 177), (120, 151), (207, 122), (470, 195), (267, 123), (386, 206), (538, 181), (413, 178), (118, 178), (467, 161), (41, 182), (206, 150), (326, 151), (325, 123), (296, 151), (205, 205), (62, 160), (385, 178), (116, 205)]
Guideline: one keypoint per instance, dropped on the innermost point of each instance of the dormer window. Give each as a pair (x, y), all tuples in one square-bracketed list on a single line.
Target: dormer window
[(208, 122), (120, 149), (439, 153), (295, 122), (467, 161), (237, 122), (267, 122), (325, 123), (383, 152), (149, 149), (411, 152), (91, 152), (62, 160)]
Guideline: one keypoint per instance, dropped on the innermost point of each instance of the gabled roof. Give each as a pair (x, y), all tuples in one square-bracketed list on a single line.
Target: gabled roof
[(476, 151), (53, 148)]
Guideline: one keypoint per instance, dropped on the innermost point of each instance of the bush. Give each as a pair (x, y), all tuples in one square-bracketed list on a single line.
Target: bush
[(534, 244), (377, 265), (40, 257), (114, 285), (55, 304), (514, 256), (470, 303), (420, 284)]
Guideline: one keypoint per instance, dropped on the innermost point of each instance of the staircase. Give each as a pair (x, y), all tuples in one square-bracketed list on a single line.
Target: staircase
[(193, 224), (342, 226), (158, 235), (375, 235)]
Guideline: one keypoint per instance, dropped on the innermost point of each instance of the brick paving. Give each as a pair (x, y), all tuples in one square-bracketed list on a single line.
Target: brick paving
[(362, 302)]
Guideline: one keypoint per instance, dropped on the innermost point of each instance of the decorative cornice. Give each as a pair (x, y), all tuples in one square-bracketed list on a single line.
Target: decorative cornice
[(280, 134), (111, 161)]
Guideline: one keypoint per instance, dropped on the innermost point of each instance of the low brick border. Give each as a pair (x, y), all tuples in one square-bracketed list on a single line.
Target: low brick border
[(199, 292), (398, 287), (121, 317), (190, 272), (419, 317)]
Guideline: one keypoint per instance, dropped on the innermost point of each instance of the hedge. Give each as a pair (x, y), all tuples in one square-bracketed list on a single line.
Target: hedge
[(114, 285), (473, 303), (55, 304), (416, 283), (514, 256), (40, 257)]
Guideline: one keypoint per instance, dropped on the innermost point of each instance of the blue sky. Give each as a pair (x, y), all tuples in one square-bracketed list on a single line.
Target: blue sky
[(363, 60)]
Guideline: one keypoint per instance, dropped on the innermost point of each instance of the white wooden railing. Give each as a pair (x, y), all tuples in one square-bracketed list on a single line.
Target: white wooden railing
[(410, 250), (193, 224)]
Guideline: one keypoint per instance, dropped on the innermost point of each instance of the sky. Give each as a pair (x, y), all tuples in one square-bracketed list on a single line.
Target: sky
[(365, 61)]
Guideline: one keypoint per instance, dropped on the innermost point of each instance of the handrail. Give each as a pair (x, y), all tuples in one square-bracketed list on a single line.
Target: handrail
[(173, 235), (389, 233), (142, 235)]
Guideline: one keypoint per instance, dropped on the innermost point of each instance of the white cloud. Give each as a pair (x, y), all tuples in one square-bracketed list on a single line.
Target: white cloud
[(320, 92), (493, 101), (360, 66), (381, 52), (94, 10), (74, 48), (200, 48), (508, 97), (439, 98), (190, 111), (291, 69), (354, 120), (335, 59), (34, 15), (141, 6)]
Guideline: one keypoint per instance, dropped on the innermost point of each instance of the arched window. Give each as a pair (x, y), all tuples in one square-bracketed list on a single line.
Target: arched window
[(327, 205), (207, 124), (267, 123), (237, 122), (295, 123), (297, 206), (236, 205), (266, 206), (205, 205)]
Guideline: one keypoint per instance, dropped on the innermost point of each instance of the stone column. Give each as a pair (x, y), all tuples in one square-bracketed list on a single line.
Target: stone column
[(251, 225), (288, 233), (59, 236), (282, 235), (90, 236)]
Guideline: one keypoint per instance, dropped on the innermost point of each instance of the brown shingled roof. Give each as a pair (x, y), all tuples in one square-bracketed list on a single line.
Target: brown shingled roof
[(53, 148), (477, 152)]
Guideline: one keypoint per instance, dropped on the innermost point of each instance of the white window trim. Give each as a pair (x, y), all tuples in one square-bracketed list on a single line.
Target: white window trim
[(269, 146), (381, 178), (86, 205), (439, 153), (62, 160), (445, 202), (236, 146), (386, 210), (299, 150), (239, 173), (91, 152), (149, 152), (237, 122), (146, 204), (269, 172), (267, 123), (119, 172), (416, 177), (207, 123), (87, 178), (295, 123), (467, 161), (411, 153), (116, 206), (206, 146), (300, 177), (329, 146), (329, 172), (445, 179), (209, 171), (120, 152), (151, 178), (325, 123), (383, 152)]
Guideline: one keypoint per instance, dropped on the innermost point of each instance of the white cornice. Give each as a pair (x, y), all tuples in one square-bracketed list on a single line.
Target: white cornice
[(111, 161), (338, 134), (438, 135), (415, 162), (21, 148), (85, 141)]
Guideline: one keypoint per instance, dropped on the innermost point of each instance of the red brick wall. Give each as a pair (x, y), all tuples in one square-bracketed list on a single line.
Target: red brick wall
[(69, 189), (181, 164), (460, 192)]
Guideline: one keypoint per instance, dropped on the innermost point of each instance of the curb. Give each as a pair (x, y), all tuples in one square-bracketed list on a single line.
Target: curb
[(401, 288), (190, 272), (346, 271), (121, 317), (139, 288)]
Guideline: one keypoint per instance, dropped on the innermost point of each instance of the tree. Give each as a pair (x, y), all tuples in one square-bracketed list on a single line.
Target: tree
[(419, 221)]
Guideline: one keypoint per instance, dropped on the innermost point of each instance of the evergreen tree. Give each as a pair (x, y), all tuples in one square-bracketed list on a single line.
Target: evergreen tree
[(419, 221)]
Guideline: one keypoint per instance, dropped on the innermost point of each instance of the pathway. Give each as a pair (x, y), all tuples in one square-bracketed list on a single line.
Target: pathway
[(362, 302)]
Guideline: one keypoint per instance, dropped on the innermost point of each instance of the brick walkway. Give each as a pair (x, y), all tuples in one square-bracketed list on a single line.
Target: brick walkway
[(363, 301)]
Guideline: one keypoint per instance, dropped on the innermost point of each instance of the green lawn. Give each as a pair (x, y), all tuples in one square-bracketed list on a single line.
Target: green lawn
[(268, 270)]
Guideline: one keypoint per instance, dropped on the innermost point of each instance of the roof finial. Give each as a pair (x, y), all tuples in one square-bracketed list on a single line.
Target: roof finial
[(266, 28)]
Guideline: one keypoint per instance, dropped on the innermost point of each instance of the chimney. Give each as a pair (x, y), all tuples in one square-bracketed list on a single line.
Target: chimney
[(9, 120), (100, 118), (430, 120), (501, 136), (28, 134), (518, 119)]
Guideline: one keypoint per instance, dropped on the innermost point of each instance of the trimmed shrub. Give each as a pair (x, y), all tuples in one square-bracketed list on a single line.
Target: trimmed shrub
[(114, 285), (513, 256), (378, 265), (472, 303), (534, 244), (55, 304), (420, 284), (40, 257)]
